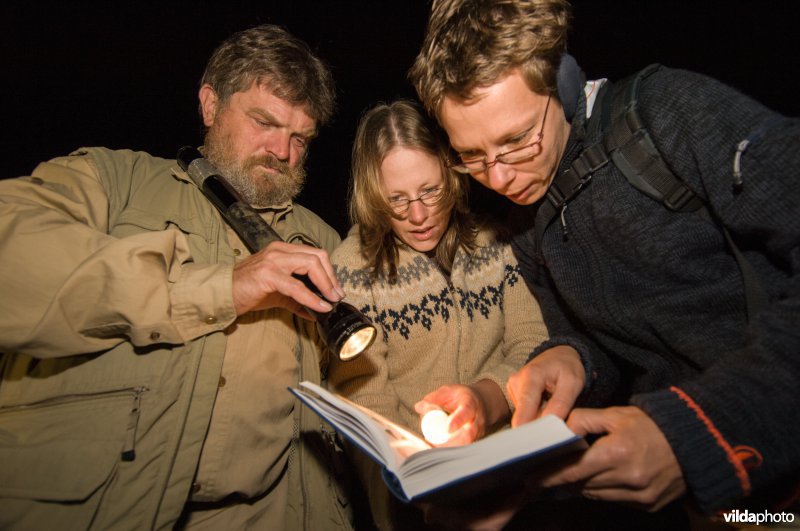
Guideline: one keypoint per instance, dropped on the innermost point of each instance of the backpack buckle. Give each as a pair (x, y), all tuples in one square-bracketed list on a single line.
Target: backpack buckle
[(681, 199)]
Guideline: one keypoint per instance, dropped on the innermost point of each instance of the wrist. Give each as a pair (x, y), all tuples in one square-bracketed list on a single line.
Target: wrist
[(493, 401)]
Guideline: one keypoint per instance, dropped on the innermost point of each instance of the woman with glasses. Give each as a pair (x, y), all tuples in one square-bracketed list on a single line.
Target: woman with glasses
[(455, 315)]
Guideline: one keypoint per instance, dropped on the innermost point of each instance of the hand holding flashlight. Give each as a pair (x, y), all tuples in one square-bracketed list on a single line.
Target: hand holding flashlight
[(266, 279), (472, 410), (299, 278), (452, 415), (435, 425)]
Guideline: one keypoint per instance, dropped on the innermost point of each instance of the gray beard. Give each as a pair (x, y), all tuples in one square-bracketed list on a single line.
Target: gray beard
[(254, 186)]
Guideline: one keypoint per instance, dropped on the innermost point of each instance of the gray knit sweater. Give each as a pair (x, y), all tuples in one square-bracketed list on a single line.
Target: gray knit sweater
[(480, 323), (654, 301)]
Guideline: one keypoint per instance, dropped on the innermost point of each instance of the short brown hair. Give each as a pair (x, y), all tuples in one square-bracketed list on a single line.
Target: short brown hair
[(272, 56), (473, 43), (381, 129)]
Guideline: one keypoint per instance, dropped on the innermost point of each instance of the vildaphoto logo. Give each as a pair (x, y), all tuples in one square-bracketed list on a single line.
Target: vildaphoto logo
[(764, 517)]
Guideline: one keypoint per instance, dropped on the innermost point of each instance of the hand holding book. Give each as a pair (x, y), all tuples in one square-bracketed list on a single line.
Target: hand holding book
[(416, 471)]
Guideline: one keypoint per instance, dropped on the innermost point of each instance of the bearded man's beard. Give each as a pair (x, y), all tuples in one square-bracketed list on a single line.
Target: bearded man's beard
[(248, 177)]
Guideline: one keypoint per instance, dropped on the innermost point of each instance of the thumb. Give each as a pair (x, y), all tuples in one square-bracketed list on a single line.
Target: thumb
[(526, 405), (562, 398), (526, 411), (425, 405), (557, 406), (585, 421), (436, 399)]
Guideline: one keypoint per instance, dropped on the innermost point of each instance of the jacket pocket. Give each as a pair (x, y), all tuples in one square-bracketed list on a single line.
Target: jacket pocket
[(61, 453)]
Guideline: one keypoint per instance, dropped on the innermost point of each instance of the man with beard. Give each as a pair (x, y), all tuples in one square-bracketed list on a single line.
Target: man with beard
[(144, 376)]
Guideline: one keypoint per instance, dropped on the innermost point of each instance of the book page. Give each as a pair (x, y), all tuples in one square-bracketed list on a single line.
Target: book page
[(402, 441), (387, 442)]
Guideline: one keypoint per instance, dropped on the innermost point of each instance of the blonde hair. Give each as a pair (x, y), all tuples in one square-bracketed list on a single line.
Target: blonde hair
[(473, 43), (381, 129)]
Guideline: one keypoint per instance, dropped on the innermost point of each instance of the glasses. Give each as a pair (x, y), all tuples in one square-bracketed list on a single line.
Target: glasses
[(513, 156), (429, 198)]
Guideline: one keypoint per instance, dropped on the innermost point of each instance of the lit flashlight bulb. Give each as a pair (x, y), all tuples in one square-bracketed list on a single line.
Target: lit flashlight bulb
[(435, 425)]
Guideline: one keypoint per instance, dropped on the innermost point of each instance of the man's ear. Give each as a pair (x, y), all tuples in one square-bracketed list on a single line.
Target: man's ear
[(208, 104)]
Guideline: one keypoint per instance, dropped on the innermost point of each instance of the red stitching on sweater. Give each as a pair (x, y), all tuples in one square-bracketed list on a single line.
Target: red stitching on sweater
[(748, 456), (733, 459)]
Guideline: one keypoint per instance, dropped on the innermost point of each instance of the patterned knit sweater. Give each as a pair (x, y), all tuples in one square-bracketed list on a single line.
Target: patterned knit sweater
[(480, 323), (654, 300)]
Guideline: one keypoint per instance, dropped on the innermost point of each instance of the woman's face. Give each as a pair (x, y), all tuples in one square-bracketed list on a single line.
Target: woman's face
[(411, 181)]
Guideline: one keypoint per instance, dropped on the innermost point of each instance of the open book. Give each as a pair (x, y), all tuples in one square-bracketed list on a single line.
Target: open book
[(416, 471)]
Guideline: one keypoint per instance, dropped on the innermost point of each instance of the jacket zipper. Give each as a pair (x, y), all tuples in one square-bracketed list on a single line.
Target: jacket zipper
[(128, 450)]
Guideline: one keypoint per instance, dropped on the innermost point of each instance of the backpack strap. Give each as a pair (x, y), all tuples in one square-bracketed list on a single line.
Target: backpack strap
[(628, 144), (633, 151), (569, 183)]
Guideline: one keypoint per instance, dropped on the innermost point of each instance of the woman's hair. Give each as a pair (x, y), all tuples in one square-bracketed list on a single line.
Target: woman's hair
[(471, 44), (272, 56), (401, 124)]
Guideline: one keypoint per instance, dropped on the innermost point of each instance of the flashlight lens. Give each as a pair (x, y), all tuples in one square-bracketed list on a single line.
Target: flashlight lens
[(357, 343), (345, 330), (435, 426)]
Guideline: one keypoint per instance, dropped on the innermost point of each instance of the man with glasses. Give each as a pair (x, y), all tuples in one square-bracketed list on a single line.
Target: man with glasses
[(476, 163), (646, 306)]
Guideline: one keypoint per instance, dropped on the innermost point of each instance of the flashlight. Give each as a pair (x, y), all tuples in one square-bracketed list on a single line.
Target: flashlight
[(346, 331), (436, 426)]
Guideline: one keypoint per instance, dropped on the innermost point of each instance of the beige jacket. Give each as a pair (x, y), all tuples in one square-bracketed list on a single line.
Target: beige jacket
[(116, 295)]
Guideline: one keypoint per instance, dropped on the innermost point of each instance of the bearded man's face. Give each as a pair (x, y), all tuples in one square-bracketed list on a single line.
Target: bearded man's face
[(259, 180), (258, 142)]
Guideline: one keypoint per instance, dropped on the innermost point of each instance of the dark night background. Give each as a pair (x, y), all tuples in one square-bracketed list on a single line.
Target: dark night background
[(77, 73)]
